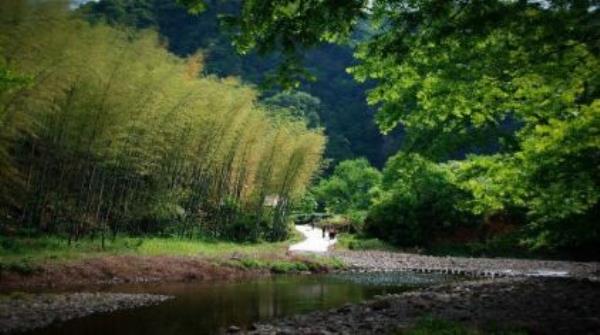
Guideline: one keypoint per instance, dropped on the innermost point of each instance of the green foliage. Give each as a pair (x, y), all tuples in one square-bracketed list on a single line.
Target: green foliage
[(349, 188), (465, 76), (513, 83), (263, 24), (11, 124), (507, 245), (343, 110), (113, 133), (499, 101), (34, 251), (282, 266), (358, 242), (299, 105), (495, 183), (251, 263), (9, 80), (562, 166), (418, 201), (21, 267), (307, 205), (288, 266)]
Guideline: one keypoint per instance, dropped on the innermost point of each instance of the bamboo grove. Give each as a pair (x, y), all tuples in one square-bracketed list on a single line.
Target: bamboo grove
[(103, 131)]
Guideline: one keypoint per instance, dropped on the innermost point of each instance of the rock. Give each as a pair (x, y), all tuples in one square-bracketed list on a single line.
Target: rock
[(561, 306), (347, 308), (233, 329), (380, 304)]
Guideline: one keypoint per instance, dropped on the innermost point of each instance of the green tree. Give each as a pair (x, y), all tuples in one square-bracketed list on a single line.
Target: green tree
[(349, 188), (562, 168), (509, 80), (300, 105), (419, 202)]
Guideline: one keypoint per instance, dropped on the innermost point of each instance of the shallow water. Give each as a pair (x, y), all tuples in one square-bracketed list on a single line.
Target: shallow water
[(209, 308)]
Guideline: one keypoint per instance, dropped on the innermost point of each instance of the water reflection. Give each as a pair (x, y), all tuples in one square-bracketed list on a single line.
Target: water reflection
[(210, 308)]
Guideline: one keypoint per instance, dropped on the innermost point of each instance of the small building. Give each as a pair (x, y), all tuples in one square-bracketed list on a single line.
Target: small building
[(271, 200)]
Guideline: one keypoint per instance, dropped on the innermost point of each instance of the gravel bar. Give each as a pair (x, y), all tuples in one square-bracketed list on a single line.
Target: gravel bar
[(479, 267), (21, 311), (535, 305)]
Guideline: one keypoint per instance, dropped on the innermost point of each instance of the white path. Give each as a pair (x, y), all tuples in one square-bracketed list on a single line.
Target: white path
[(314, 241)]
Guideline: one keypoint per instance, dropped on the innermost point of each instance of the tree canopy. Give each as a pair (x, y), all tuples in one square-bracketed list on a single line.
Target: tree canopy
[(506, 89)]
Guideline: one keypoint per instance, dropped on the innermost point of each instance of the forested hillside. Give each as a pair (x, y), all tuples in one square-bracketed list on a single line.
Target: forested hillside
[(343, 111), (499, 102), (104, 131), (150, 116), (299, 167)]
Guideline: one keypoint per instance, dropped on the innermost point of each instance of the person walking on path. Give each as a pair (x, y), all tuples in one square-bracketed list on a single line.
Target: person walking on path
[(332, 234)]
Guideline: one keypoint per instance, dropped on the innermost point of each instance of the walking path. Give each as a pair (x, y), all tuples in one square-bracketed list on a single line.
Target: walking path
[(314, 241)]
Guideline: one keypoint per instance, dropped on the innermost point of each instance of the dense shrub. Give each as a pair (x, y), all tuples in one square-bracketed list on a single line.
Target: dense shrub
[(419, 201)]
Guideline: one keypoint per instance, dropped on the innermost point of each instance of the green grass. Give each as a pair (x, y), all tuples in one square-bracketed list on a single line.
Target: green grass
[(24, 255), (433, 326), (355, 242), (39, 249), (312, 263)]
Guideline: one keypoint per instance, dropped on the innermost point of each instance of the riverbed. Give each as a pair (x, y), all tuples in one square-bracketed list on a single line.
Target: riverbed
[(212, 307)]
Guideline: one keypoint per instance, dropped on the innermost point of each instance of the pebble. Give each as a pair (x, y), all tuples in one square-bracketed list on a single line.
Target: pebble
[(369, 261), (506, 292), (538, 305)]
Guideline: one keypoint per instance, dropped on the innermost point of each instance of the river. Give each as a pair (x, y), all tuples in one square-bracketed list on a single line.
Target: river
[(208, 308)]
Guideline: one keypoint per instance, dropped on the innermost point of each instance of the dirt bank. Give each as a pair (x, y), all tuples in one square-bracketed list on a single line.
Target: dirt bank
[(121, 269)]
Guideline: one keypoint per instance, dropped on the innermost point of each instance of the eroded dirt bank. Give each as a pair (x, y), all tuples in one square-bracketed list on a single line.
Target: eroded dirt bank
[(121, 269)]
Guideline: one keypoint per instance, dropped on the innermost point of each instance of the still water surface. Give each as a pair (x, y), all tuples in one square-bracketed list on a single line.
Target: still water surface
[(209, 308)]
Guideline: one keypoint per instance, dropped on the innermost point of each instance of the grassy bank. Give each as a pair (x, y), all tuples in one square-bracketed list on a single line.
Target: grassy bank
[(357, 242), (28, 257), (46, 248)]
